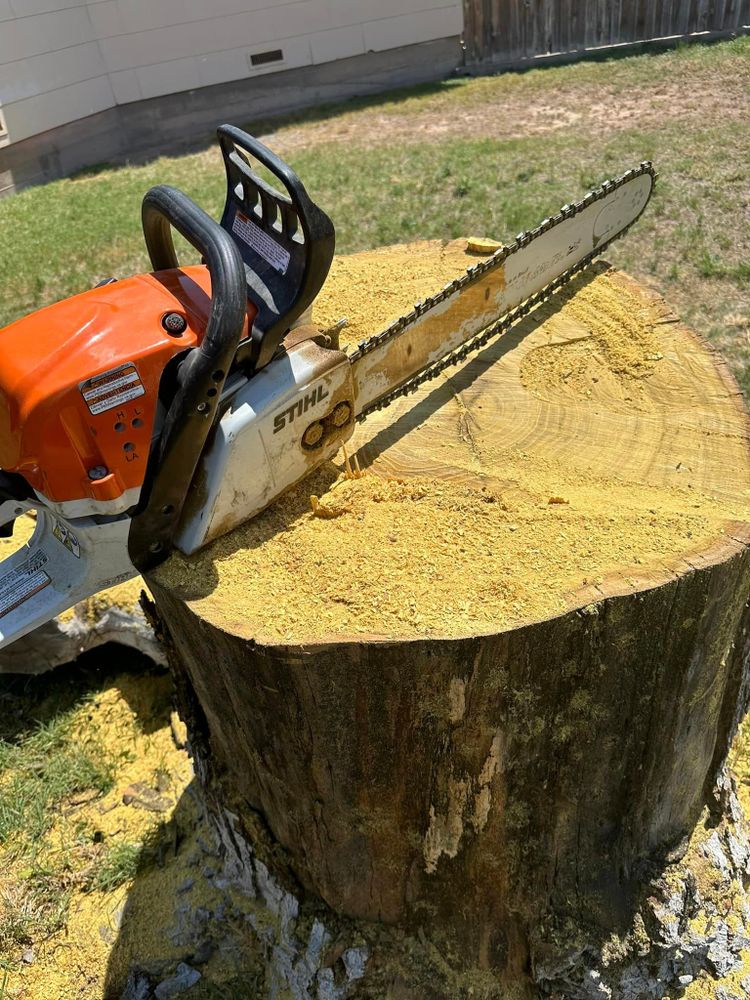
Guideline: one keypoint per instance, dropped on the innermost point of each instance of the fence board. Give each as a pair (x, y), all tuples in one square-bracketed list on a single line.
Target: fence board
[(518, 30), (668, 20), (732, 13), (558, 29), (628, 21), (590, 17), (682, 19)]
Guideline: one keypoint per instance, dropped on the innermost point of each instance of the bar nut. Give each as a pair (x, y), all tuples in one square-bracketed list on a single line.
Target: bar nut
[(313, 435)]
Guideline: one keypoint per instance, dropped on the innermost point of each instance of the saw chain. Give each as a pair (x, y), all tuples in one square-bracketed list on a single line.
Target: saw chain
[(479, 270)]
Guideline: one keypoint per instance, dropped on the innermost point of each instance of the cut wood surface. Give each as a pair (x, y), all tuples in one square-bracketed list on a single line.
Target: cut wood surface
[(588, 452), (502, 673)]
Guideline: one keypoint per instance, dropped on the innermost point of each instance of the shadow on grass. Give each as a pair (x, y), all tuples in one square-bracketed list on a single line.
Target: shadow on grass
[(175, 912), (93, 170), (326, 111), (314, 114), (30, 700)]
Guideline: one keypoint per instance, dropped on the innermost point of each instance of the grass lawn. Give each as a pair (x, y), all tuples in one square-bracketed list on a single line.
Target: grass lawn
[(483, 156), (72, 744)]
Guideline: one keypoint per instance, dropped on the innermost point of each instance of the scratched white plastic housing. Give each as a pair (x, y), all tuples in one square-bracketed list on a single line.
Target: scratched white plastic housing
[(64, 562), (256, 452), (255, 455)]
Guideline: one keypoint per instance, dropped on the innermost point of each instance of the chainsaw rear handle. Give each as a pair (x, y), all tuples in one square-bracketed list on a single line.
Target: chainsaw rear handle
[(285, 239), (201, 375)]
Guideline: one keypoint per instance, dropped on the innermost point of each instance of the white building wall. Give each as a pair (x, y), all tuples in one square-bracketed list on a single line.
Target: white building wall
[(61, 60)]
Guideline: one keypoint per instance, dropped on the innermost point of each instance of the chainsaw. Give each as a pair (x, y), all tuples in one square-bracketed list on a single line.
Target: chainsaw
[(160, 411)]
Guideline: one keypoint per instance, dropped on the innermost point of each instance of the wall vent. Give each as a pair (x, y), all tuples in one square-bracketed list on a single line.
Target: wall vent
[(263, 58), (4, 137)]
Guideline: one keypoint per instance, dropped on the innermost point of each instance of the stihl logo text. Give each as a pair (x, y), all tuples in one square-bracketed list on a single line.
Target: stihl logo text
[(302, 405)]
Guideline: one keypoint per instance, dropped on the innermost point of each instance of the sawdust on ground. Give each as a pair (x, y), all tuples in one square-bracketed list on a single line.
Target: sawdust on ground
[(124, 717), (108, 931), (413, 556), (489, 106), (718, 890)]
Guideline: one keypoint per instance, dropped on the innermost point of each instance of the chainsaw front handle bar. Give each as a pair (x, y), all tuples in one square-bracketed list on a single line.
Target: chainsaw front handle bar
[(202, 373), (285, 239)]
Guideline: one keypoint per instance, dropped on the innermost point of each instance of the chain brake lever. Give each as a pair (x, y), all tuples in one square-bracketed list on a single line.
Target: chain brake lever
[(286, 241)]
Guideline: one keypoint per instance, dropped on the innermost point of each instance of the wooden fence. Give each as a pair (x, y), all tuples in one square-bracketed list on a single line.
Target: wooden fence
[(518, 31)]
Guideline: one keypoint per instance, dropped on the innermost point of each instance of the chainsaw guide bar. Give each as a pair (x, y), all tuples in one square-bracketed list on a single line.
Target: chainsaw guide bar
[(627, 195)]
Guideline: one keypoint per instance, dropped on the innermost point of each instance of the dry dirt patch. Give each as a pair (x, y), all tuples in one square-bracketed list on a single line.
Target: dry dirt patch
[(485, 108)]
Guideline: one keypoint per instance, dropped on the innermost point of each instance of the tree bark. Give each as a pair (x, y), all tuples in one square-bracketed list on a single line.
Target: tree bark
[(492, 792)]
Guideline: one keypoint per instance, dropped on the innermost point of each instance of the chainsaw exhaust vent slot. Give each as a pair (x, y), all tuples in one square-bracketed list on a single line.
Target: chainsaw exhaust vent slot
[(286, 242)]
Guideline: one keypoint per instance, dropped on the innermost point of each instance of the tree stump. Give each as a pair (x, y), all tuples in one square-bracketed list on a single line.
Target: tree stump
[(498, 679)]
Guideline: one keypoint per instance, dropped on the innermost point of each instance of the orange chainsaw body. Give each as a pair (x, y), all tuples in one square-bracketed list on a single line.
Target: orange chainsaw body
[(79, 382)]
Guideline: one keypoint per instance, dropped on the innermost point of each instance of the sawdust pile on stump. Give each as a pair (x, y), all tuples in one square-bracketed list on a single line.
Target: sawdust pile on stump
[(619, 346), (371, 290), (569, 451)]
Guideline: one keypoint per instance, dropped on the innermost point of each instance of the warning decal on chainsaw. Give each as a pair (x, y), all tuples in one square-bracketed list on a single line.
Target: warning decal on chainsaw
[(261, 242), (63, 534), (112, 388), (21, 583)]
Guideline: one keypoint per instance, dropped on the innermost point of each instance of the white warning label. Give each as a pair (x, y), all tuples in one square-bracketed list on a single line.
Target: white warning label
[(21, 583), (112, 388), (261, 242)]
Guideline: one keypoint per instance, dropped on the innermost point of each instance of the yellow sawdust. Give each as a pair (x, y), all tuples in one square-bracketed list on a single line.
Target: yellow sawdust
[(125, 596), (423, 557), (713, 888), (619, 345), (374, 288), (98, 944), (435, 555), (704, 987), (721, 899), (73, 964)]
